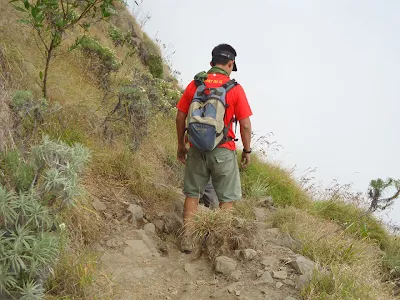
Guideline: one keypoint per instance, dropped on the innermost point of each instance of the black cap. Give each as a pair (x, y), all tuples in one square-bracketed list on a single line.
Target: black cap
[(225, 50)]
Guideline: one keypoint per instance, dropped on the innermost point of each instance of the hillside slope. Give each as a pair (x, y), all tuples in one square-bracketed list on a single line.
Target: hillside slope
[(114, 95)]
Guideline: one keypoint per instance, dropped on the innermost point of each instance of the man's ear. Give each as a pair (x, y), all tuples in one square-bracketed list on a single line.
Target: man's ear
[(230, 64), (211, 63)]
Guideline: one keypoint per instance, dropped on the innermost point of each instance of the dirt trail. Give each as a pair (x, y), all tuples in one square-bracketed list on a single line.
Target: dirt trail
[(144, 266)]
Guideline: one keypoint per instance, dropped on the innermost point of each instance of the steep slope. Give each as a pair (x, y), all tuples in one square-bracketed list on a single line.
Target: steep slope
[(123, 234)]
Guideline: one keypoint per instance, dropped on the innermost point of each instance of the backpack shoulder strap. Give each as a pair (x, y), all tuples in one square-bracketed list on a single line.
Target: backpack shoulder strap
[(230, 84)]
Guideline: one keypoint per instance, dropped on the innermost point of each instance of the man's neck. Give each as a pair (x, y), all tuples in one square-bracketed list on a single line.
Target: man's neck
[(218, 69)]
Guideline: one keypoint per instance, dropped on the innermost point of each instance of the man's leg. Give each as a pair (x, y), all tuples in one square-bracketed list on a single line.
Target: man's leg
[(225, 177), (195, 180)]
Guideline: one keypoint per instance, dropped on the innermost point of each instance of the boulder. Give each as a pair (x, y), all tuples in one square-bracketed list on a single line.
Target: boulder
[(302, 265), (224, 265)]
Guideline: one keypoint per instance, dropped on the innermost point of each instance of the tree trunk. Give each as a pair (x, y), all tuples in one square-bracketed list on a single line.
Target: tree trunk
[(46, 70)]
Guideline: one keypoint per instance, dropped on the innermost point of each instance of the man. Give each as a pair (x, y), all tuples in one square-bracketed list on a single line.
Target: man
[(220, 163)]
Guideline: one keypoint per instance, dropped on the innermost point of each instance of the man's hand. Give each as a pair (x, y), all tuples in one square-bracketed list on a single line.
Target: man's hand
[(181, 153), (245, 159)]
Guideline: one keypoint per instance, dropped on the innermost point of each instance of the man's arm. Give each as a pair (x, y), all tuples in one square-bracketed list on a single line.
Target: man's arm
[(180, 130), (245, 132)]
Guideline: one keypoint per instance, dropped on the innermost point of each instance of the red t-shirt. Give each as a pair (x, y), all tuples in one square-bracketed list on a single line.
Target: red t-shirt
[(238, 106)]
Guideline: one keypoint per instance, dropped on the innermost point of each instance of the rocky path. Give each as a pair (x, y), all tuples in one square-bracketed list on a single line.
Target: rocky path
[(144, 266)]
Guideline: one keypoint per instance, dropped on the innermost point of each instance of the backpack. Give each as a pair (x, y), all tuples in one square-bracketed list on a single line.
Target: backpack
[(205, 120)]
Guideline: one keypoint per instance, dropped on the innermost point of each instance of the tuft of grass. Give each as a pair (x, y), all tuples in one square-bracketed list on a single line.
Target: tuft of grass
[(262, 178), (219, 231), (349, 216)]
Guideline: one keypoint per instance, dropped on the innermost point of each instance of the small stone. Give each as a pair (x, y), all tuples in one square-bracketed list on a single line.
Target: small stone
[(266, 201), (224, 265), (259, 273), (266, 278), (98, 205), (137, 212), (279, 275), (279, 285), (236, 275), (159, 224), (270, 262), (200, 282), (237, 293), (260, 214), (150, 228), (289, 282), (302, 265), (247, 254)]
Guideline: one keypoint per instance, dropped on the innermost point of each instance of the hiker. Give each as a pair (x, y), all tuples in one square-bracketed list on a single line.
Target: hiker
[(210, 105)]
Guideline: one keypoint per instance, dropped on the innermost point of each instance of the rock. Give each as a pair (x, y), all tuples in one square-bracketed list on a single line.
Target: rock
[(266, 201), (286, 240), (137, 212), (224, 265), (237, 293), (270, 262), (137, 248), (150, 228), (159, 224), (114, 242), (247, 254), (279, 285), (279, 275), (173, 223), (260, 214), (302, 265), (289, 282), (178, 207), (98, 205), (259, 273), (236, 275), (266, 278)]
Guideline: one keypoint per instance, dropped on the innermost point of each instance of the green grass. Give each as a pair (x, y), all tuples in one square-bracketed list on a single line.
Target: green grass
[(263, 178), (348, 216)]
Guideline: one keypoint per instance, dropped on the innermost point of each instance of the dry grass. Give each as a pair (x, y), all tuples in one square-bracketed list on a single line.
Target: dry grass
[(219, 232), (5, 120), (355, 263)]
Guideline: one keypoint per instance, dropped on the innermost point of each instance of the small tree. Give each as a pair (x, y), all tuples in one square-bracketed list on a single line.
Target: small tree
[(376, 191), (50, 19)]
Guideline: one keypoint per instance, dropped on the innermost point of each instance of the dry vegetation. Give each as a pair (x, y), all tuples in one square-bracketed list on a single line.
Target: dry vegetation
[(360, 257)]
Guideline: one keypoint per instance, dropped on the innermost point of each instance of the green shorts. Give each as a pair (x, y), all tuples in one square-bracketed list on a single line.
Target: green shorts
[(221, 164)]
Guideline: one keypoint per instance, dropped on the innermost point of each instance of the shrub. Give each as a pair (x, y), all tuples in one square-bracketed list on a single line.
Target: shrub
[(106, 61), (116, 35), (29, 239), (155, 64), (391, 258), (15, 171)]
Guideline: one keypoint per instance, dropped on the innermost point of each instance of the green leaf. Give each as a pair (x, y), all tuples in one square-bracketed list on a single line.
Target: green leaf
[(26, 4), (41, 75), (19, 8), (24, 21)]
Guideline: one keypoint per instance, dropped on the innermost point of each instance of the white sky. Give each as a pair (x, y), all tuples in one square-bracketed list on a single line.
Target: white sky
[(323, 76)]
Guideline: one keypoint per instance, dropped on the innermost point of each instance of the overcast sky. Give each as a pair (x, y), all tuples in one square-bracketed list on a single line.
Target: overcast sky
[(323, 76)]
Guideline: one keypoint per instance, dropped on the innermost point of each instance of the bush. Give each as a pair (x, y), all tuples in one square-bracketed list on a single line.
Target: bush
[(116, 35), (16, 173), (349, 216), (106, 58), (391, 258), (155, 64), (29, 239), (262, 178)]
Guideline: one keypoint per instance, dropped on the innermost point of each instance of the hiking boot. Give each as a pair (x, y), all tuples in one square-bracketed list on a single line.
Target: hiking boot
[(186, 244)]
